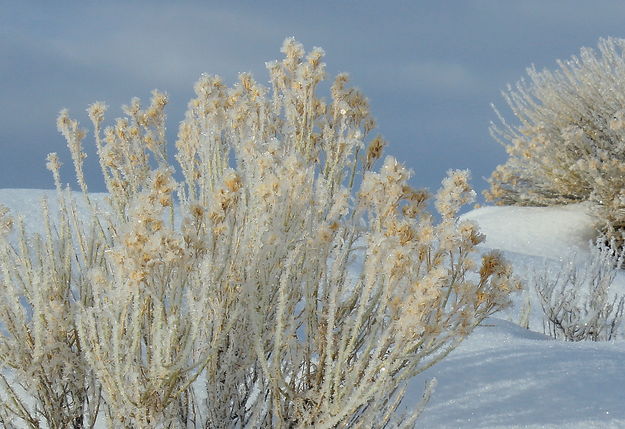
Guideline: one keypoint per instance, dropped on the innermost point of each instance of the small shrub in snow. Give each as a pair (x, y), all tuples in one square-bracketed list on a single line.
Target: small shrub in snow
[(569, 142), (280, 294), (576, 302)]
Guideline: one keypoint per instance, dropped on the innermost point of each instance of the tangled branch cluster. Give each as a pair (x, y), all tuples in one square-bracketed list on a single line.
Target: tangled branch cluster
[(577, 302)]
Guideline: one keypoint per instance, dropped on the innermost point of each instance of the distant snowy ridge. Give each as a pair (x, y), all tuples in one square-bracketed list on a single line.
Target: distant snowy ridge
[(550, 232), (26, 203)]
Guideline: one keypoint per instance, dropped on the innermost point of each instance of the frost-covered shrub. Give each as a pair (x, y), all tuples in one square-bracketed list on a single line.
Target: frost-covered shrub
[(577, 303), (568, 141), (277, 294)]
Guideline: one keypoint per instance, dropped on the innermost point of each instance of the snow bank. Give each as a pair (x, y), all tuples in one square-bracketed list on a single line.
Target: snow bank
[(551, 232)]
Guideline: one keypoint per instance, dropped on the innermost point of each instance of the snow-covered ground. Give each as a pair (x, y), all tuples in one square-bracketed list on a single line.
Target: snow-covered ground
[(505, 376)]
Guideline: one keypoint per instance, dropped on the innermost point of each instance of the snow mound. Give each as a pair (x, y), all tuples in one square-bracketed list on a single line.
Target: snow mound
[(551, 232)]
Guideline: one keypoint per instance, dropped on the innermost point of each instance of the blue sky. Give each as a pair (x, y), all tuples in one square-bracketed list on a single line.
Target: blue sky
[(429, 68)]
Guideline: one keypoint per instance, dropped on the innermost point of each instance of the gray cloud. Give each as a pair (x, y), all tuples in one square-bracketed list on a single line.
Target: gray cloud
[(430, 69), (431, 76)]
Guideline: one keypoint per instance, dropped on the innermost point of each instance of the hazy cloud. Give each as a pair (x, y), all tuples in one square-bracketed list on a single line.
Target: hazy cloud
[(432, 76), (431, 69)]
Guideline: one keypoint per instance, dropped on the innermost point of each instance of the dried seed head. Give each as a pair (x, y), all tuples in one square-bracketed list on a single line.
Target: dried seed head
[(493, 263), (233, 182), (53, 163), (96, 112), (374, 151), (6, 221)]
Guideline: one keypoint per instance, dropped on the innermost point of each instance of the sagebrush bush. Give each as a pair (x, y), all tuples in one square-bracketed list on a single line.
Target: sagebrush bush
[(577, 302), (568, 142), (265, 289)]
